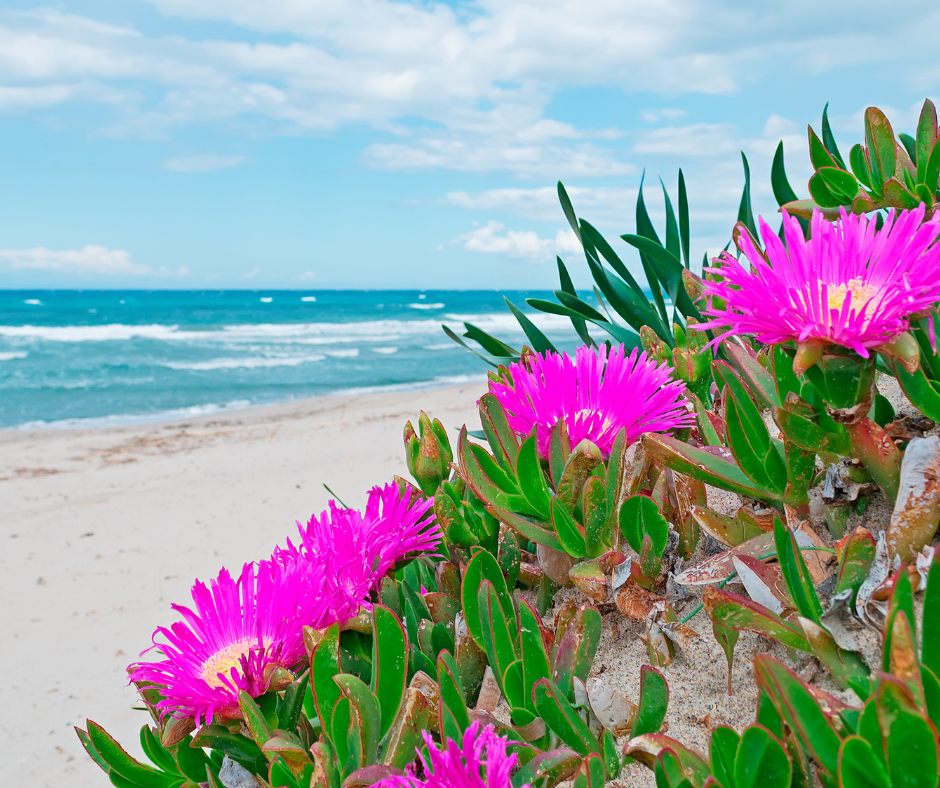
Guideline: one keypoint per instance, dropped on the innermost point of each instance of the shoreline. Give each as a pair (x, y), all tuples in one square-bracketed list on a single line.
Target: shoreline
[(212, 411)]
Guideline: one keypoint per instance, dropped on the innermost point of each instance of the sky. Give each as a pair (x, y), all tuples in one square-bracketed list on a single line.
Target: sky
[(376, 144)]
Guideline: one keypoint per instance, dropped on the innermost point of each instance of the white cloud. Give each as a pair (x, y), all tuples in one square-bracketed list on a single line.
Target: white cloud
[(601, 205), (665, 113), (89, 260), (205, 162), (307, 276), (698, 139), (527, 244), (251, 274), (482, 77)]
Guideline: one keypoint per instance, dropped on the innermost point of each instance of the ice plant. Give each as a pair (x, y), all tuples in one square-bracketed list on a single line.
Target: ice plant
[(237, 634), (850, 284), (354, 550), (480, 762), (597, 395)]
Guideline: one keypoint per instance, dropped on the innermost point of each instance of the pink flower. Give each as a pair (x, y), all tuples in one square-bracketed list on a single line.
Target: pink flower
[(597, 396), (849, 285), (482, 762), (354, 550), (239, 631)]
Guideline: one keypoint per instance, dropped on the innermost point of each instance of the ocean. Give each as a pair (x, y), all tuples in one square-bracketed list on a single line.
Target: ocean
[(71, 358)]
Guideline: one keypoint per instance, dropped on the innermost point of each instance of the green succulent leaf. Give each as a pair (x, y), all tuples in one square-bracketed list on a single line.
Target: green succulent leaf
[(796, 574), (639, 517), (482, 567), (390, 664), (799, 709), (548, 768), (123, 765), (654, 701), (532, 480), (761, 761), (723, 748), (553, 707), (859, 767)]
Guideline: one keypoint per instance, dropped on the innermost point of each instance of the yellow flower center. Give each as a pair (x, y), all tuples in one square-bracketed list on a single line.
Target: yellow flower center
[(862, 296), (224, 660)]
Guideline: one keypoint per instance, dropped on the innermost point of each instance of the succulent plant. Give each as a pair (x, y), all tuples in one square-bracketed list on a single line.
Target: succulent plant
[(884, 172)]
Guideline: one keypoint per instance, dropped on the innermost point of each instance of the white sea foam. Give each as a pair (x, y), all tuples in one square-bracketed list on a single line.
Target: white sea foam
[(308, 298), (426, 306), (439, 382), (267, 300), (33, 302), (242, 363), (385, 351), (114, 331), (136, 418), (499, 324), (14, 355), (345, 353)]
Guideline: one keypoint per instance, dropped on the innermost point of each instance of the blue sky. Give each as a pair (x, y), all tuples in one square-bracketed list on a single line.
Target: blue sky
[(368, 143)]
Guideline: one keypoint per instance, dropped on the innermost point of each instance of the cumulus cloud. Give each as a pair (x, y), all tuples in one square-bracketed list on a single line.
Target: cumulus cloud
[(88, 260), (599, 205), (205, 162), (527, 244)]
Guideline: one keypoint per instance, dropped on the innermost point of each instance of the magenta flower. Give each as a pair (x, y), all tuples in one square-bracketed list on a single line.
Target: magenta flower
[(849, 285), (597, 396), (242, 630), (482, 762), (239, 632), (354, 550)]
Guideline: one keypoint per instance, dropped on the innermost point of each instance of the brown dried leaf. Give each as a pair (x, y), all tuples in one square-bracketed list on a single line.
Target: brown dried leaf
[(635, 602)]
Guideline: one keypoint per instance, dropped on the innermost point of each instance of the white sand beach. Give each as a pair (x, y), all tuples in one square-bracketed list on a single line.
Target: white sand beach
[(103, 529)]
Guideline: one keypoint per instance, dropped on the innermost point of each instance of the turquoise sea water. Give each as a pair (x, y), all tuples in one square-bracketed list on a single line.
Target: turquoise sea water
[(86, 358)]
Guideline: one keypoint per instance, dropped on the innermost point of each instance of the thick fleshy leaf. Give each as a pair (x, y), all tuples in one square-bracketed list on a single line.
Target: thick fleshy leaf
[(389, 664), (548, 768), (639, 517), (653, 703), (553, 707), (452, 696), (532, 480), (738, 612), (730, 531), (761, 761), (879, 139), (708, 467), (483, 566), (497, 636), (796, 704), (902, 601), (799, 582), (570, 534), (324, 665), (859, 767), (858, 553), (365, 705), (575, 651)]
